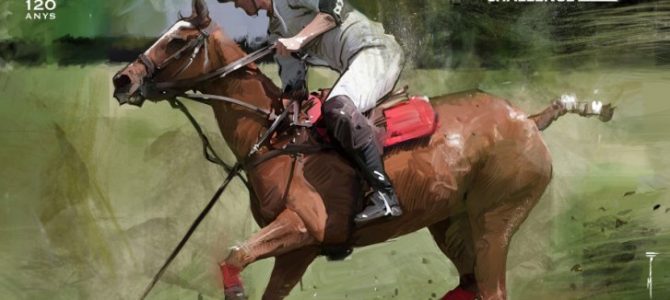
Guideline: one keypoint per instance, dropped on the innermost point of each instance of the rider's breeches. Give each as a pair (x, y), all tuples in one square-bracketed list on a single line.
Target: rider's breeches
[(371, 75)]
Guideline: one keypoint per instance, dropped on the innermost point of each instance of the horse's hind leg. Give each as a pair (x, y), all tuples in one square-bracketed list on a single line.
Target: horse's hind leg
[(287, 271), (499, 201), (286, 233), (491, 234), (454, 238)]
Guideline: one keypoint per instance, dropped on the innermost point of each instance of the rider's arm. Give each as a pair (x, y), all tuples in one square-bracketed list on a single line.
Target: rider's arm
[(292, 71), (321, 23), (327, 18)]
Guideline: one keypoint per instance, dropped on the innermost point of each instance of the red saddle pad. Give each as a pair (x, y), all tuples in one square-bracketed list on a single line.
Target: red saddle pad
[(409, 120)]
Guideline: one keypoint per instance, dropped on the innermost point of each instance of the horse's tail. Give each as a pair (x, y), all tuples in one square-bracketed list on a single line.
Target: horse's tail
[(569, 104)]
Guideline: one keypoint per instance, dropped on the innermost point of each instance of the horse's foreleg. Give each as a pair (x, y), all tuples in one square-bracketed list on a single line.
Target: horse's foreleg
[(286, 233), (287, 271)]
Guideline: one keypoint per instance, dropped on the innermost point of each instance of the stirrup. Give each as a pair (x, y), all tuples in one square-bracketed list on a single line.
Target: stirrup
[(381, 207)]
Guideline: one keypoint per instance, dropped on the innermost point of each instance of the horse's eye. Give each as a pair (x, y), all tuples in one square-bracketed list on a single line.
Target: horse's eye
[(175, 45)]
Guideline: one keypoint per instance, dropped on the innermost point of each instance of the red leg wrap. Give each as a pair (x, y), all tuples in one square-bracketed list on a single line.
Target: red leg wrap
[(231, 276), (459, 294)]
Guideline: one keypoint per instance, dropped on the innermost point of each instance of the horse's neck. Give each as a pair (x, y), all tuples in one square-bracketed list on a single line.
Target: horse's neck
[(239, 126)]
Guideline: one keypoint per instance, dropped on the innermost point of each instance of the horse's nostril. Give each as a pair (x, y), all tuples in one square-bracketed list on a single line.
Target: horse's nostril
[(121, 80)]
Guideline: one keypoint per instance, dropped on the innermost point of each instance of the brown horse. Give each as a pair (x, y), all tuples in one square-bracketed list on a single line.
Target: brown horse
[(472, 183)]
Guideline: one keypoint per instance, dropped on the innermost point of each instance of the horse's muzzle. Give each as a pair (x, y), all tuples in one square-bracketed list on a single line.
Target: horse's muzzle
[(126, 91)]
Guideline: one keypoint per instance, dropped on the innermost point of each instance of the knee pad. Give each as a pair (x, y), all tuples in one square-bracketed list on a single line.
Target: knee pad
[(346, 124)]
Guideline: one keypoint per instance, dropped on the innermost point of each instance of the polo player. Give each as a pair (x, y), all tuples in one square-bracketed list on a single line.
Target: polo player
[(331, 33)]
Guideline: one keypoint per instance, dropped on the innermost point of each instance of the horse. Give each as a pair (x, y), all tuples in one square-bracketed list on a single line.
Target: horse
[(472, 182)]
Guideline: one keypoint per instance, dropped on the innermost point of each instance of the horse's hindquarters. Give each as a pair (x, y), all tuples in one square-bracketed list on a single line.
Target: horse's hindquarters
[(483, 143)]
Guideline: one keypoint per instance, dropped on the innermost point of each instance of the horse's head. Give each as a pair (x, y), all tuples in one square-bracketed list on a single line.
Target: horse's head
[(176, 55)]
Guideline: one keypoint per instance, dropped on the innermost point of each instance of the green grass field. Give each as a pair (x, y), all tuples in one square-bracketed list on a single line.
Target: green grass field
[(95, 196)]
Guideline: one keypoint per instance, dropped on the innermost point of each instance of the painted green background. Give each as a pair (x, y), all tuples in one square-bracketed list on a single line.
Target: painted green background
[(94, 196)]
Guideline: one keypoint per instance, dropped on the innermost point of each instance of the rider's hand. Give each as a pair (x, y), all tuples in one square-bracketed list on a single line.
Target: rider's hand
[(297, 91), (289, 45)]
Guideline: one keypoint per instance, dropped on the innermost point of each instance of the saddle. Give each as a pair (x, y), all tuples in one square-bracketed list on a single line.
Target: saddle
[(398, 118)]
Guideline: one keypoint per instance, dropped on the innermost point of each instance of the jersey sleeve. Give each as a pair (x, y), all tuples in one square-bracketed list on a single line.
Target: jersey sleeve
[(332, 7)]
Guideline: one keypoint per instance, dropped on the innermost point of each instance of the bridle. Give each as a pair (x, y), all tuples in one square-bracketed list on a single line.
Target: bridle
[(152, 89), (194, 44), (172, 89)]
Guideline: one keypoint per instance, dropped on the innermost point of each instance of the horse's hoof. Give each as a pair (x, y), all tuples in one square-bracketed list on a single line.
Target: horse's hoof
[(460, 294), (235, 293), (336, 252)]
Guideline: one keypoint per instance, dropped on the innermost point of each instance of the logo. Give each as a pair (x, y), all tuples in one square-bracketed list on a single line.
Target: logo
[(40, 10), (338, 7)]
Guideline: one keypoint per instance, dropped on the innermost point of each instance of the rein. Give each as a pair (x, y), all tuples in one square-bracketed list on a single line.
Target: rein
[(202, 98), (207, 149), (218, 73)]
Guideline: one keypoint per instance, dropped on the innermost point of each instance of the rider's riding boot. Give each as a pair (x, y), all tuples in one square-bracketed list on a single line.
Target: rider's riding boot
[(356, 136), (384, 201)]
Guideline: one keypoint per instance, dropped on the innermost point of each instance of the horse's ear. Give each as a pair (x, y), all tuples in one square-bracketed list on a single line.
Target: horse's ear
[(201, 13)]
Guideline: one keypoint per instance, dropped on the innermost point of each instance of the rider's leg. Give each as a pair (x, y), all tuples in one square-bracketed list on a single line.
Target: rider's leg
[(356, 136), (370, 75)]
